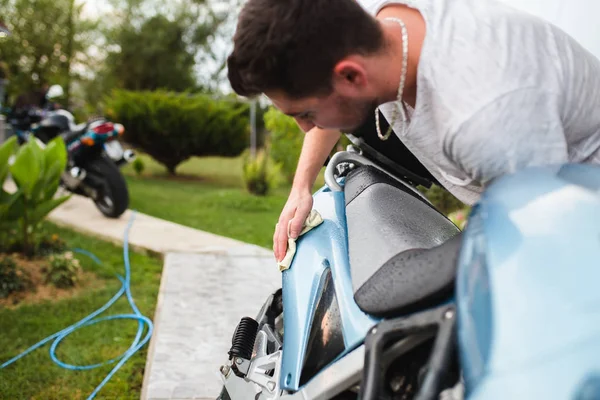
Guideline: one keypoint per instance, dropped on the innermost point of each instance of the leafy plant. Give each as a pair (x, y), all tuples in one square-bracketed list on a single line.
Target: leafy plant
[(286, 141), (442, 199), (260, 175), (172, 127), (7, 200), (138, 166), (36, 173), (12, 279), (50, 244), (62, 270)]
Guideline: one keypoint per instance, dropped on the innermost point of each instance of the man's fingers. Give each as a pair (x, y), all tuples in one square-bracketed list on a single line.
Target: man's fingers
[(280, 237), (276, 242), (298, 221), (281, 241), (296, 225)]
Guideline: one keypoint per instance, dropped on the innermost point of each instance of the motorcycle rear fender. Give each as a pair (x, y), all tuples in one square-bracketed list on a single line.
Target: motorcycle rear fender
[(321, 250)]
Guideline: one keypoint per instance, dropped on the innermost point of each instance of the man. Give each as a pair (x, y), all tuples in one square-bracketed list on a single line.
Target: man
[(474, 88)]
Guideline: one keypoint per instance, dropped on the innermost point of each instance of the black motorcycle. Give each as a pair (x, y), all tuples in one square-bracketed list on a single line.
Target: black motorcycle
[(95, 154)]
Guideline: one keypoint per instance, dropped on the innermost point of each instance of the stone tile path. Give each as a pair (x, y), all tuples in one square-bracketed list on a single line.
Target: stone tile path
[(203, 298)]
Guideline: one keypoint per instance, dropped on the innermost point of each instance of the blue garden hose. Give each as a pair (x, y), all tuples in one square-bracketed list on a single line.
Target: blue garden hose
[(91, 320)]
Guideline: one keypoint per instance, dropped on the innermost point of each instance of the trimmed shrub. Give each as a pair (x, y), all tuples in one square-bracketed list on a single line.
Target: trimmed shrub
[(172, 127), (286, 141), (260, 174), (139, 166)]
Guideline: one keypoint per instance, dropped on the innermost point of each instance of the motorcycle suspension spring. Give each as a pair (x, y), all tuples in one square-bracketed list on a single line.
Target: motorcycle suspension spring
[(242, 343)]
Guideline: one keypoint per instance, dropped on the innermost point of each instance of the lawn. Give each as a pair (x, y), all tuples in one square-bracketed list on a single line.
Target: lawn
[(36, 376), (208, 194)]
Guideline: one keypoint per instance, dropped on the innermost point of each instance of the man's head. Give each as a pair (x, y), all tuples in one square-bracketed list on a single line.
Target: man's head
[(309, 57)]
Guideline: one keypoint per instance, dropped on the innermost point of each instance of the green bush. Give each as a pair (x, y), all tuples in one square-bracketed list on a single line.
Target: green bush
[(260, 174), (12, 279), (286, 141), (442, 199), (172, 127), (36, 173), (138, 166), (62, 270)]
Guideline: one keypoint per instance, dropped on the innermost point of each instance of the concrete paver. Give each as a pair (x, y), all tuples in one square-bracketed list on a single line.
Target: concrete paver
[(203, 298)]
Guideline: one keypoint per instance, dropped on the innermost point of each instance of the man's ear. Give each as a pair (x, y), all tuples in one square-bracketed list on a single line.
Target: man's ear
[(349, 75)]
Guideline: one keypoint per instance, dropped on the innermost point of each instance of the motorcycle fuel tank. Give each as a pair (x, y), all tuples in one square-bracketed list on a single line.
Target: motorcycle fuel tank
[(528, 291)]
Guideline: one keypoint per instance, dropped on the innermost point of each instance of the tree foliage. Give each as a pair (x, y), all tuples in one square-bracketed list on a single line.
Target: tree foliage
[(48, 37), (159, 49)]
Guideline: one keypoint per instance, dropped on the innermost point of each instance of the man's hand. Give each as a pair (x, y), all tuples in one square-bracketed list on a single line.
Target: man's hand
[(317, 145), (293, 215)]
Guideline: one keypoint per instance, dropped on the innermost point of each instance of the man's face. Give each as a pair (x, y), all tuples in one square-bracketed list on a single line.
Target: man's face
[(333, 111)]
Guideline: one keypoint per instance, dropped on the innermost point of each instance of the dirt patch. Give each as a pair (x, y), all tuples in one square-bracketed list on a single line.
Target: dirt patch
[(38, 291)]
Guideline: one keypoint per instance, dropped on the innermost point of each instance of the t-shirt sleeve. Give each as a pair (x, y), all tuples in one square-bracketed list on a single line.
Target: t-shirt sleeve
[(519, 129)]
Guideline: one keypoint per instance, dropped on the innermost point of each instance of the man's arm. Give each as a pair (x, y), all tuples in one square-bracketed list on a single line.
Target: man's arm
[(317, 145), (519, 129)]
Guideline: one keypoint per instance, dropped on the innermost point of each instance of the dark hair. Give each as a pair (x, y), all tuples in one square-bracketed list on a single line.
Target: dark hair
[(293, 45)]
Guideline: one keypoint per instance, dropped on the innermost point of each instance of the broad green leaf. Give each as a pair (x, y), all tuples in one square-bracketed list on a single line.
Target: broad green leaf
[(55, 160), (38, 188), (17, 207), (45, 208), (7, 149), (7, 200), (49, 191), (27, 169)]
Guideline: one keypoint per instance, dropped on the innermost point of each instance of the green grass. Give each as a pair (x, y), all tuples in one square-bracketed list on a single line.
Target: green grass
[(209, 196), (226, 211), (36, 376), (218, 170)]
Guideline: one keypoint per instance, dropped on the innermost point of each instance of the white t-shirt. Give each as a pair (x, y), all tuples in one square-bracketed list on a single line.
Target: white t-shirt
[(498, 89)]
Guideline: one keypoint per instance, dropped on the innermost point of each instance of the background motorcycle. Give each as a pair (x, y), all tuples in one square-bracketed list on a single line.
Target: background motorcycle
[(94, 153), (388, 300)]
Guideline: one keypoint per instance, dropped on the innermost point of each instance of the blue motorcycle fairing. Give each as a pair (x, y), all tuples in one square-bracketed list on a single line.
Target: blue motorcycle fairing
[(325, 247), (528, 286)]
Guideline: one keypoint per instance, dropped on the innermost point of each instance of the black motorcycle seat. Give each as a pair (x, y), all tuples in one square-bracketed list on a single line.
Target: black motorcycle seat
[(386, 217), (413, 279), (362, 178)]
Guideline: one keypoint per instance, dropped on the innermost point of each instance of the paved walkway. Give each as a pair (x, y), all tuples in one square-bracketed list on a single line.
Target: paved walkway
[(208, 283), (202, 299)]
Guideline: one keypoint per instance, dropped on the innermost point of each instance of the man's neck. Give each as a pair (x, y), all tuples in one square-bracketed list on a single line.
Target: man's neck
[(391, 62)]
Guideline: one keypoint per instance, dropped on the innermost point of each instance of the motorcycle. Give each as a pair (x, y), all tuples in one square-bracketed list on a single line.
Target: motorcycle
[(388, 299), (94, 151)]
